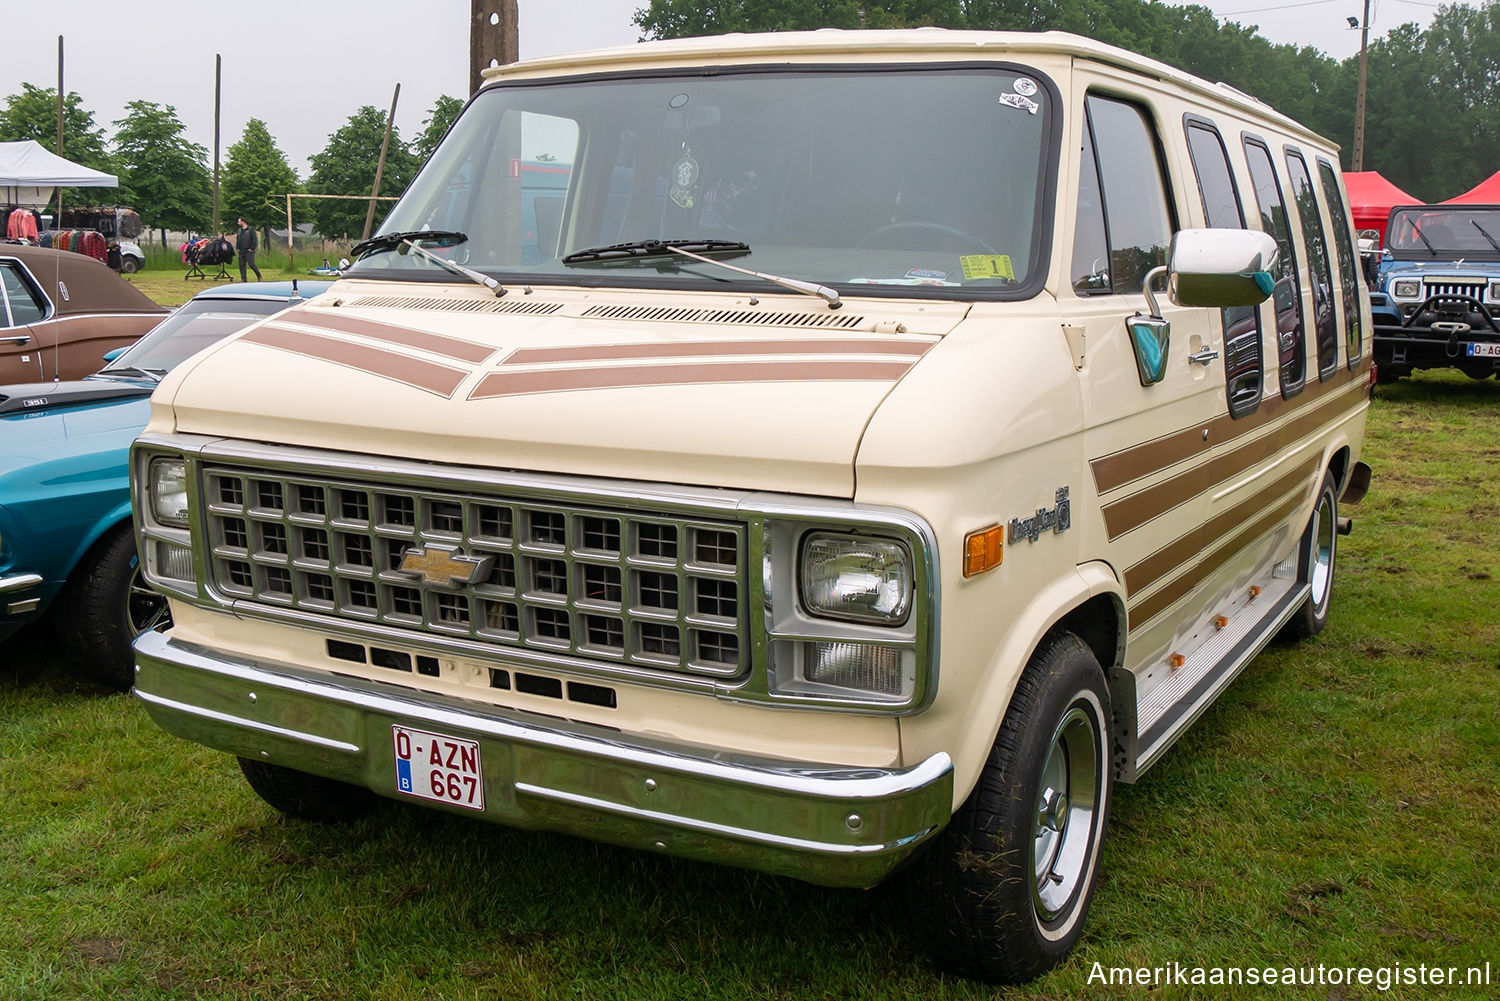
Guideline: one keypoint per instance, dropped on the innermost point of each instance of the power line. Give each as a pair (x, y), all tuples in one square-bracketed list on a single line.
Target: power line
[(1285, 6)]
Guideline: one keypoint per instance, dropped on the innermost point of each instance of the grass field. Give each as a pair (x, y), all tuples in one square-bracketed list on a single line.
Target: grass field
[(162, 278), (1338, 806)]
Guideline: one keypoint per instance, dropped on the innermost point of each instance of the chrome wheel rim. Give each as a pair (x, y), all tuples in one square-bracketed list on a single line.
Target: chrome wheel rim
[(145, 610), (1067, 808), (1321, 575)]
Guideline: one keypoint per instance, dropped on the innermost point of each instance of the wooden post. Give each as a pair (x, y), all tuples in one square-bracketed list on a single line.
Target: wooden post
[(494, 37), (57, 223), (289, 266), (218, 77), (1359, 102), (380, 164)]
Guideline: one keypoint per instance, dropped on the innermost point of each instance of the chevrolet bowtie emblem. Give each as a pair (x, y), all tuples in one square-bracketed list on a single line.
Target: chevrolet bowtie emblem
[(445, 567)]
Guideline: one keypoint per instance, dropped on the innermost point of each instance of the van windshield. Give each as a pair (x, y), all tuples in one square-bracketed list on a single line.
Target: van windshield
[(917, 181)]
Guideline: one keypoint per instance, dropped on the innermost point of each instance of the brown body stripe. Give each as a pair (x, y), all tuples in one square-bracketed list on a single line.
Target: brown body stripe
[(1131, 512), (692, 349), (1149, 607), (438, 344), (1167, 559), (1139, 461), (426, 375), (563, 380)]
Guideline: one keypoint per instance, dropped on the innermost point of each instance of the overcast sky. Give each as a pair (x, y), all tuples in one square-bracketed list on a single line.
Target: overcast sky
[(305, 67)]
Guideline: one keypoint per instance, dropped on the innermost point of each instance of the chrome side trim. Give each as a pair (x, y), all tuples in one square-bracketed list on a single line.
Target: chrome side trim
[(825, 823), (19, 582)]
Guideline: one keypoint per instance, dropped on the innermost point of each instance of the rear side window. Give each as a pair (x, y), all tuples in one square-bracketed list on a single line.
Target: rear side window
[(1348, 276), (1324, 326), (1131, 189), (21, 304), (1221, 208), (1291, 355)]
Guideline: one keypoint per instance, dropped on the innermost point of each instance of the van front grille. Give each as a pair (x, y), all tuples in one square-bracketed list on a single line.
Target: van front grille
[(607, 586)]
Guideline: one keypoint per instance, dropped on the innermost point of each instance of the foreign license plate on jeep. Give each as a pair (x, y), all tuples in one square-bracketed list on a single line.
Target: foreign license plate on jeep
[(436, 767), (1485, 350)]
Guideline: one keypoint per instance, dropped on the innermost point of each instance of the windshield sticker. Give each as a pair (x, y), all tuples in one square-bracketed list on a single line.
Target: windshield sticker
[(1025, 86), (684, 177), (987, 266), (928, 275), (1020, 101)]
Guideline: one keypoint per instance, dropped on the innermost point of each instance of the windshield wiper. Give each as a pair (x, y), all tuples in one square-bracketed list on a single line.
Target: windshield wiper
[(1485, 233), (154, 374), (405, 241), (1430, 248), (657, 248), (652, 248)]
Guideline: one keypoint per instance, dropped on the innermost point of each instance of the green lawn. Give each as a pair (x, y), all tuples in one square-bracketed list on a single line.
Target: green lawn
[(1338, 806)]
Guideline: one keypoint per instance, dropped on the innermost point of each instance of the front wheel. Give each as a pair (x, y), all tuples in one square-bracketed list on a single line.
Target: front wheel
[(1001, 894), (129, 265), (106, 604), (1318, 550), (309, 797)]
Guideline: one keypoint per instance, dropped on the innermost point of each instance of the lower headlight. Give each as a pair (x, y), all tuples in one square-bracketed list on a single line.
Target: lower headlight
[(1406, 289), (856, 579), (168, 488)]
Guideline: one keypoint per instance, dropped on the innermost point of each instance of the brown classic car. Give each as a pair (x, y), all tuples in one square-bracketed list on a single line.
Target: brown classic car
[(60, 312)]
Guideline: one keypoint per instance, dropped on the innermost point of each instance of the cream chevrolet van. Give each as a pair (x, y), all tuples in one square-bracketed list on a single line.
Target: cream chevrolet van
[(831, 453)]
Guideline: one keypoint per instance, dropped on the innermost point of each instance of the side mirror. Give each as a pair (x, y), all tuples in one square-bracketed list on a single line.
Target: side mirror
[(1221, 267), (110, 356)]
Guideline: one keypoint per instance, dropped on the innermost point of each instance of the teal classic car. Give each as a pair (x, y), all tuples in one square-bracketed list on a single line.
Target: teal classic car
[(66, 542)]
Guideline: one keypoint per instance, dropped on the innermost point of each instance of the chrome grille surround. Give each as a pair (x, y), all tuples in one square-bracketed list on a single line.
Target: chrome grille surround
[(655, 591)]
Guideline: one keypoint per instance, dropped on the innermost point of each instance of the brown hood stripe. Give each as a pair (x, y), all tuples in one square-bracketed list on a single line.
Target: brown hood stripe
[(1129, 513), (1182, 551), (698, 349), (1149, 607), (438, 344), (631, 376), (1140, 461), (426, 375)]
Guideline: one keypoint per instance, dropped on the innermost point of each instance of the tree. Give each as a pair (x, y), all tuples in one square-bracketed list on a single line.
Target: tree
[(32, 114), (346, 166), (257, 177), (161, 173), (435, 126)]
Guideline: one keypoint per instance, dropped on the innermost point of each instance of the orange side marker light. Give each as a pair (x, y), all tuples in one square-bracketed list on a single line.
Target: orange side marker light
[(984, 549)]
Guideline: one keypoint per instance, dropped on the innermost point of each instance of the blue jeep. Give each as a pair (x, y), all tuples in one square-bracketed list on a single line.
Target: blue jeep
[(65, 526), (1436, 302)]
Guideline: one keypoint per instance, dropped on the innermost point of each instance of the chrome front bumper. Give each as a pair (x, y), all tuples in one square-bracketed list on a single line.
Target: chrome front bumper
[(827, 824)]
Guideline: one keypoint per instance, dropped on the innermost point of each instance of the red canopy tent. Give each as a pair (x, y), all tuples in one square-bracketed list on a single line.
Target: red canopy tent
[(1371, 198), (1486, 192)]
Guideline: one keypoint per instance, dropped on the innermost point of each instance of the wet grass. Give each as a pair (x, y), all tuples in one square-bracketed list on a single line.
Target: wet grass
[(1338, 806)]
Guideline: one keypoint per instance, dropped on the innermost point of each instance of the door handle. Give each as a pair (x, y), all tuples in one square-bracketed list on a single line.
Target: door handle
[(1204, 356), (17, 339)]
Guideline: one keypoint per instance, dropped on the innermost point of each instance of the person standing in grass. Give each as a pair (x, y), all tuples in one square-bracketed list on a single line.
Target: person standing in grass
[(244, 245)]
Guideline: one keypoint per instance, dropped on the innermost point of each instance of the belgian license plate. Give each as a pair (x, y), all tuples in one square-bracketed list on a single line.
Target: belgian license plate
[(1485, 350), (439, 768)]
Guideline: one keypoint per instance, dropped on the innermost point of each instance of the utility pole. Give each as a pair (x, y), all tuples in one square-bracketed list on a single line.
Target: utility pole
[(494, 37), (57, 223), (380, 164), (218, 78), (1359, 102)]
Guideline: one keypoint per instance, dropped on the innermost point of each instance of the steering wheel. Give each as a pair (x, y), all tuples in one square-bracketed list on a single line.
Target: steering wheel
[(874, 235)]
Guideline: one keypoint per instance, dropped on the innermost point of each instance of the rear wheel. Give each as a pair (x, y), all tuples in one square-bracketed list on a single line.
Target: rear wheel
[(1318, 552), (105, 606), (310, 797), (1001, 894), (129, 265)]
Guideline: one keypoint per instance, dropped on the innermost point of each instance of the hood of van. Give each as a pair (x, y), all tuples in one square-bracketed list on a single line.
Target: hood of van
[(763, 393)]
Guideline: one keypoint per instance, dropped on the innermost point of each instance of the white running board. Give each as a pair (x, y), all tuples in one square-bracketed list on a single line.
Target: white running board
[(1172, 706)]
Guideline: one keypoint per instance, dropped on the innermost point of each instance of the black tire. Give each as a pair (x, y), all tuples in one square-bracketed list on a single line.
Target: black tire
[(129, 265), (105, 605), (1318, 555), (977, 899), (309, 797)]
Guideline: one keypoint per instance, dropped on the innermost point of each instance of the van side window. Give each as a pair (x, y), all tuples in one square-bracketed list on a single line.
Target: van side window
[(1133, 189), (1243, 366), (1324, 326), (1287, 296), (1090, 270), (1348, 275)]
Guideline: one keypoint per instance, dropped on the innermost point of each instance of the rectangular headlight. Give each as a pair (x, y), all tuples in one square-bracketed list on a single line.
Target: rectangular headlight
[(856, 579), (167, 487), (1408, 289)]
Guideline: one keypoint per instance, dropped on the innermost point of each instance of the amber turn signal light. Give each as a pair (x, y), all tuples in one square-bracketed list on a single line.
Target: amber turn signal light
[(983, 550)]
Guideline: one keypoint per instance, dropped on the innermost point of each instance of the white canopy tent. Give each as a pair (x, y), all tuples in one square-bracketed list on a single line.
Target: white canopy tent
[(28, 173)]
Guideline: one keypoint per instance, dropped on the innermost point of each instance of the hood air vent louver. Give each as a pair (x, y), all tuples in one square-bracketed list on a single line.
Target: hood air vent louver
[(455, 305), (737, 316)]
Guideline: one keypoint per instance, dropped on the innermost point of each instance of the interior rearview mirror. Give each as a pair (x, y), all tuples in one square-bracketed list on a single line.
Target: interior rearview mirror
[(1221, 267)]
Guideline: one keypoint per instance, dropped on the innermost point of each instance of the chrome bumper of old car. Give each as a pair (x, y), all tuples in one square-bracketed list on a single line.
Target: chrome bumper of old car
[(838, 826)]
